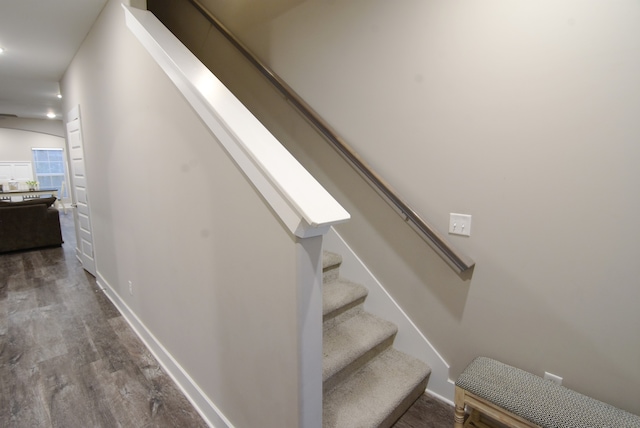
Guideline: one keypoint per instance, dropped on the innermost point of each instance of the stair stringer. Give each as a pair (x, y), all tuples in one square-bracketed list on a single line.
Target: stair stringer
[(379, 302)]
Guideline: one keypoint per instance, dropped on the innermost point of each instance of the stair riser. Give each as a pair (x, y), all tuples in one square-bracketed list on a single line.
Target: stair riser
[(342, 314), (405, 404), (356, 364), (366, 382), (377, 394), (330, 274), (330, 267)]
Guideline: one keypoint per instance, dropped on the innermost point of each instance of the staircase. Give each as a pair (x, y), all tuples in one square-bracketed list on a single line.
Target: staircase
[(366, 382)]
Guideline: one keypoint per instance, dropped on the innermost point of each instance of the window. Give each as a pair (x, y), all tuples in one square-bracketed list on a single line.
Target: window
[(49, 167)]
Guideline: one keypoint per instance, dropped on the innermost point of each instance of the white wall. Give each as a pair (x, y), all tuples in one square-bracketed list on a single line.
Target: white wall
[(522, 114), (214, 273), (16, 145)]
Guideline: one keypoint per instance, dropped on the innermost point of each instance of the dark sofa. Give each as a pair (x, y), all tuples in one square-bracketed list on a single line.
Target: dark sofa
[(32, 223)]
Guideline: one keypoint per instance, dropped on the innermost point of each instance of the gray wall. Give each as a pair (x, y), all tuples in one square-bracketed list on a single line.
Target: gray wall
[(44, 126), (522, 114)]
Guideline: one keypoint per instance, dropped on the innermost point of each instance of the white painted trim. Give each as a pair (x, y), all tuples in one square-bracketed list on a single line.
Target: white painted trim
[(203, 405), (309, 301), (409, 339), (303, 205), (446, 400)]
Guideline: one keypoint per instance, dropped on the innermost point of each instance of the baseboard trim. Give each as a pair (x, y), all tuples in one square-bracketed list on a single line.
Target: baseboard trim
[(409, 339), (440, 397), (203, 405)]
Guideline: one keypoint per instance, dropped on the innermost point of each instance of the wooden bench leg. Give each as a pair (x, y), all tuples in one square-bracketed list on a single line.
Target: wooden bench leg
[(458, 418)]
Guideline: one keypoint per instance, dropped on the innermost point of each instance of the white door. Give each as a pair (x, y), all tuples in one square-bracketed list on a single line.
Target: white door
[(81, 212)]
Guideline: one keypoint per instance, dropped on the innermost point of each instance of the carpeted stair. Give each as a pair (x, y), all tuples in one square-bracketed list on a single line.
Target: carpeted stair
[(366, 382)]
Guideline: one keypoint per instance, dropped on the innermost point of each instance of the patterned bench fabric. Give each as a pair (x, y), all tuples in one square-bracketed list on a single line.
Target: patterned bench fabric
[(538, 400)]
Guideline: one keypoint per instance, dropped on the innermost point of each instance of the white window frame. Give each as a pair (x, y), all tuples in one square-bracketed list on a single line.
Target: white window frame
[(65, 193)]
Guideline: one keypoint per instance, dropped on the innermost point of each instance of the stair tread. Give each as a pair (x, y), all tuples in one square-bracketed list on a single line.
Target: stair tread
[(340, 293), (377, 394), (330, 259), (352, 339)]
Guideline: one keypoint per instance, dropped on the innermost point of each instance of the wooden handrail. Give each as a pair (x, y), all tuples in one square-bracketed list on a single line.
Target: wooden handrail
[(439, 243)]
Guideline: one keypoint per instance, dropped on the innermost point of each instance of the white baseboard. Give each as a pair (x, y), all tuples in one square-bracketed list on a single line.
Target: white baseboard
[(440, 397), (203, 405), (409, 339), (379, 302)]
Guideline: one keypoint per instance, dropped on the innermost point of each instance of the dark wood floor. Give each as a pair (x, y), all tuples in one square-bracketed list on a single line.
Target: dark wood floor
[(427, 412), (68, 359)]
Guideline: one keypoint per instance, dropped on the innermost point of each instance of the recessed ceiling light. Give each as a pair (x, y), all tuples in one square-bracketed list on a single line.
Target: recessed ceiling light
[(59, 95), (1, 50), (51, 115)]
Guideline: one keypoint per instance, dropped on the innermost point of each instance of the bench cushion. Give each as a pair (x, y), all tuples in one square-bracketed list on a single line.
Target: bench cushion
[(538, 400)]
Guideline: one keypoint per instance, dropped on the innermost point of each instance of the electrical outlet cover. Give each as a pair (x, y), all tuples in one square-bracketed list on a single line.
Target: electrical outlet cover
[(553, 378)]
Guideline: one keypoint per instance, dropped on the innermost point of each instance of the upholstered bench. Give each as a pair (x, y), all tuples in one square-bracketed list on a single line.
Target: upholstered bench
[(520, 399)]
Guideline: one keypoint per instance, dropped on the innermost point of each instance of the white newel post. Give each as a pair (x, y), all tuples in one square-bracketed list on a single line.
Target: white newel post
[(309, 254)]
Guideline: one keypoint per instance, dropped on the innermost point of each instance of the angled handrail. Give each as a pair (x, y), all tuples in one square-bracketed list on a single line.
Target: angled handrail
[(439, 243), (295, 196)]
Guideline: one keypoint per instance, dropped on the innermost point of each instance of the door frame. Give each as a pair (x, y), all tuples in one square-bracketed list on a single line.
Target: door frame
[(88, 263)]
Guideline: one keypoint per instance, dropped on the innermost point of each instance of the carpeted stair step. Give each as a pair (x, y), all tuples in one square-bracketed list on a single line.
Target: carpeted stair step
[(352, 343), (330, 266), (366, 383), (341, 299), (377, 394)]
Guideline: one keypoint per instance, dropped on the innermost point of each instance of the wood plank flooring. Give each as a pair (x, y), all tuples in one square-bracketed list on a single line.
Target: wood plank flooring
[(427, 412), (68, 358)]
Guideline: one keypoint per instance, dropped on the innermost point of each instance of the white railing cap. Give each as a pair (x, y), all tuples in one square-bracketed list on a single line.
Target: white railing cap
[(304, 206)]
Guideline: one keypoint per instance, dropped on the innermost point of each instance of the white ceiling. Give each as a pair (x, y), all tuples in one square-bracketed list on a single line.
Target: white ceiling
[(39, 38)]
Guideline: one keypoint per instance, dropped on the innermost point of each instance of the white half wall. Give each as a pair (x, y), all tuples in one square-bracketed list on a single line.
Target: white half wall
[(200, 264)]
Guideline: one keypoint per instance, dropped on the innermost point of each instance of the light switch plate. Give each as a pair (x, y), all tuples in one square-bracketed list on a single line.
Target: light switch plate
[(460, 224)]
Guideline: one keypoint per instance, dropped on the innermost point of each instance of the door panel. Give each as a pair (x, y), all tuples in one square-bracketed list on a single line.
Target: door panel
[(82, 211)]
